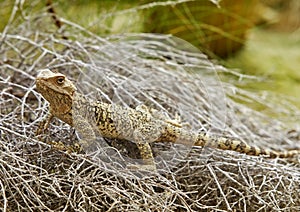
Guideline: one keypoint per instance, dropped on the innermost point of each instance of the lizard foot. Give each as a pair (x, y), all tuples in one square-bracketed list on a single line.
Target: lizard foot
[(148, 168)]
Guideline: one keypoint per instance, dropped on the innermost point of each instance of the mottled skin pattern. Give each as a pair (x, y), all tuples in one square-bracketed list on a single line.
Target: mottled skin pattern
[(140, 125)]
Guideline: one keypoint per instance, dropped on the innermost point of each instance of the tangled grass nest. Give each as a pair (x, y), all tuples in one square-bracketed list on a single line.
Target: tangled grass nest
[(36, 176)]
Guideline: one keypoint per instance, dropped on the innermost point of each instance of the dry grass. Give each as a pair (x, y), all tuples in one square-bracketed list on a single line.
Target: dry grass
[(159, 71)]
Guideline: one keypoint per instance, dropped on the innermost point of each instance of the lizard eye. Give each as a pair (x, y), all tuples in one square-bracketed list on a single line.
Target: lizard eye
[(60, 80)]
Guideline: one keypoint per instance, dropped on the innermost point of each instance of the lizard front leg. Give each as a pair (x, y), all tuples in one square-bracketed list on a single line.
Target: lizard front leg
[(44, 124), (86, 131)]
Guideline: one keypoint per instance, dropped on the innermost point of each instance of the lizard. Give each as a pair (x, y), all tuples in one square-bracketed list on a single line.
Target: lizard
[(139, 124)]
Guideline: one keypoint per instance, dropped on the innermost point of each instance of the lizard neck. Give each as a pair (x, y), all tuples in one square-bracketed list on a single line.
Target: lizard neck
[(72, 108)]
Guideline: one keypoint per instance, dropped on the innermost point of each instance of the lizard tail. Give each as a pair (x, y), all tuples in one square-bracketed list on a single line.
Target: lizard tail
[(223, 143)]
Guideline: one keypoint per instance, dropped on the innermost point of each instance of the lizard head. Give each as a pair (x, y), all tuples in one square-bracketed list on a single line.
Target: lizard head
[(56, 89)]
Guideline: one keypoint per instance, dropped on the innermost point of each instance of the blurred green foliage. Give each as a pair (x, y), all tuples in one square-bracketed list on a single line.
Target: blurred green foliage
[(272, 55)]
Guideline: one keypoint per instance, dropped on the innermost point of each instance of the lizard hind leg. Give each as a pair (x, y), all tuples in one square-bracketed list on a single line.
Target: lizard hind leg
[(147, 157)]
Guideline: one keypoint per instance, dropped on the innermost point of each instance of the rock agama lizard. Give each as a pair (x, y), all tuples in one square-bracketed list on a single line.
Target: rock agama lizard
[(139, 125)]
